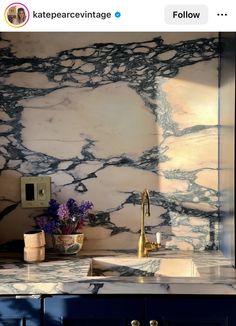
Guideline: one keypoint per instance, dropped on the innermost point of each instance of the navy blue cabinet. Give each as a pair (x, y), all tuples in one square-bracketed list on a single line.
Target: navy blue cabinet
[(192, 310), (106, 310), (89, 310), (20, 312), (119, 310)]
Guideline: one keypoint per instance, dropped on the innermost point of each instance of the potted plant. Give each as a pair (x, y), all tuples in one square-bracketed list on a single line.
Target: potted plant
[(64, 222)]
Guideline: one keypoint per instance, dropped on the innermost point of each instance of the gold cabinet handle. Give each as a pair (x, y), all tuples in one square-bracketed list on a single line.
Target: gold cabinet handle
[(153, 323), (135, 323)]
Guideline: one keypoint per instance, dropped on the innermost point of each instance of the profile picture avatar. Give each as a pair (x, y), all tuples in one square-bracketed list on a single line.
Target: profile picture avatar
[(16, 14)]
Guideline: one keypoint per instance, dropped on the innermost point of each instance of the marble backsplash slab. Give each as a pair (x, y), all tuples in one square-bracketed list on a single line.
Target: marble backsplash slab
[(107, 116)]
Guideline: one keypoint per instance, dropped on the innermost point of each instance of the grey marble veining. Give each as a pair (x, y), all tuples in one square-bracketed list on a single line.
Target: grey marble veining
[(72, 275), (106, 119)]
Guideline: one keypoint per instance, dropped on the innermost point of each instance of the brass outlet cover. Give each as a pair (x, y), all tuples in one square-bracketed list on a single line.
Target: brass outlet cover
[(35, 191)]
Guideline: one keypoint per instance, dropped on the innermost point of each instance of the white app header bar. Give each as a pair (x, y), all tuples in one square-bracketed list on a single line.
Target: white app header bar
[(117, 15)]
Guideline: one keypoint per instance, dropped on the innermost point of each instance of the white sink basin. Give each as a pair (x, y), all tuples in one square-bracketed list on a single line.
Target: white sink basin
[(168, 267)]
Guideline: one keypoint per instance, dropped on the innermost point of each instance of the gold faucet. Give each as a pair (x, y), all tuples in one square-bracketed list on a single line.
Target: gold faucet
[(143, 244)]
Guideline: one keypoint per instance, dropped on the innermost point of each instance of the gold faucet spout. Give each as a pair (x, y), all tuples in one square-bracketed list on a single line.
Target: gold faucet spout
[(143, 244), (145, 207)]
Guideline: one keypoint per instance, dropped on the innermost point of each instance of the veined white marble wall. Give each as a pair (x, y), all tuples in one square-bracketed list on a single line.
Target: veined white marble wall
[(107, 115)]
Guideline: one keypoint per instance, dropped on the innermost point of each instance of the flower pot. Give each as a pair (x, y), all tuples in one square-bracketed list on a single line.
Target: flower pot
[(68, 244)]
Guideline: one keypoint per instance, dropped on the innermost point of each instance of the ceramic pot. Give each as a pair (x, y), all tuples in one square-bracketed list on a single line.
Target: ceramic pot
[(68, 244)]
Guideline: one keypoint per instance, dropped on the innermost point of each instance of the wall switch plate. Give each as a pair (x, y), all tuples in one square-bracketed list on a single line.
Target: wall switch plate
[(35, 191)]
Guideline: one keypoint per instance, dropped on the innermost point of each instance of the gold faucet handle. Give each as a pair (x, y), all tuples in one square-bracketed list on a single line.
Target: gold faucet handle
[(152, 245)]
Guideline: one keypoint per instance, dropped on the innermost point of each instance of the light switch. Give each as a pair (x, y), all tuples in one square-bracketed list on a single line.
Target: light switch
[(35, 191), (41, 191)]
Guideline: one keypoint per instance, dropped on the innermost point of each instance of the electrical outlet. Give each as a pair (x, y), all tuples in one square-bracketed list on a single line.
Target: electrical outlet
[(35, 191)]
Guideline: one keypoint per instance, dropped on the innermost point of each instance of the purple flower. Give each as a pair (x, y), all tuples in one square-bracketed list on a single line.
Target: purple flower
[(72, 206), (64, 218), (53, 208), (63, 212), (49, 226), (85, 207)]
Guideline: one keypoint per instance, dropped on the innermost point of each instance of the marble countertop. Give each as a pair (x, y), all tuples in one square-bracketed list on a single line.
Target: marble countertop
[(121, 273)]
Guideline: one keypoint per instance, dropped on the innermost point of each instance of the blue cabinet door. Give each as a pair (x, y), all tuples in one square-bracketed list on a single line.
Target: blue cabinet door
[(102, 310), (171, 310), (19, 312), (192, 311)]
